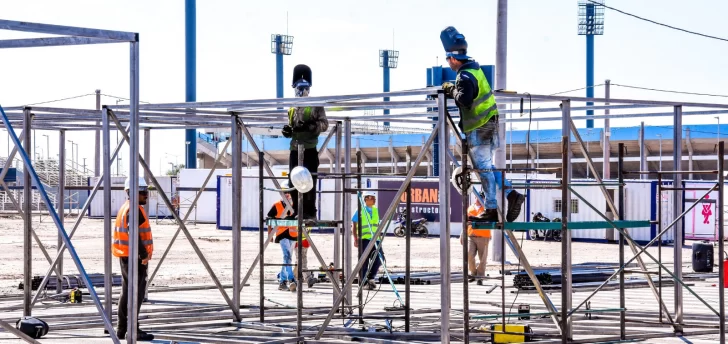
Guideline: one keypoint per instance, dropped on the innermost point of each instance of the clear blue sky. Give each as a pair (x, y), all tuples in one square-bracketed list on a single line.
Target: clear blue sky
[(340, 41)]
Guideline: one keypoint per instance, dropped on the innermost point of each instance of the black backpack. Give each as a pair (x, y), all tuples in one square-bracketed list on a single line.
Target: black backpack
[(33, 327)]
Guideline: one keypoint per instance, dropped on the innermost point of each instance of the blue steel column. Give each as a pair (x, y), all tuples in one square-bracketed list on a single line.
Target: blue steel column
[(191, 76), (279, 67), (385, 68), (590, 65)]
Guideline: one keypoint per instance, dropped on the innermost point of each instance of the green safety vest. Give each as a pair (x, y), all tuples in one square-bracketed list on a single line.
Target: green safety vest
[(483, 108), (369, 223), (308, 140)]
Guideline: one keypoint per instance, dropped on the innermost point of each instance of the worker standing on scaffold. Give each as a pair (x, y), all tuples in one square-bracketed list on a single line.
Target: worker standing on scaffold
[(479, 122), (305, 124)]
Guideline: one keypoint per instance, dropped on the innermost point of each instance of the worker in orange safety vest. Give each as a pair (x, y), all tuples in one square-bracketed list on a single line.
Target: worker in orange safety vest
[(120, 249), (478, 240)]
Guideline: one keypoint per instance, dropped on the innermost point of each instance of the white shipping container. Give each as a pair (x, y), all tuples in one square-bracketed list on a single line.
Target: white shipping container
[(250, 207), (119, 197), (190, 180)]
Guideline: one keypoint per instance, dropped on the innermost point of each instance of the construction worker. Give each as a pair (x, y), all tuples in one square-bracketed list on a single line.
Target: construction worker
[(478, 240), (479, 121), (285, 239), (305, 124), (120, 248), (369, 224)]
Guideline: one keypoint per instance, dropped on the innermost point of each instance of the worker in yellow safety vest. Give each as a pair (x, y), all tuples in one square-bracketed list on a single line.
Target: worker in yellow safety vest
[(120, 249), (369, 224), (479, 122)]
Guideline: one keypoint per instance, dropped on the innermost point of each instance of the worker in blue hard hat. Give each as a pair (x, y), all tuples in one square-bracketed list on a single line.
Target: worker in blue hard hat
[(478, 120), (305, 124)]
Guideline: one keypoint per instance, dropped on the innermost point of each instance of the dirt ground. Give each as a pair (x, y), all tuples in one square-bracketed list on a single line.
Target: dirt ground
[(182, 266)]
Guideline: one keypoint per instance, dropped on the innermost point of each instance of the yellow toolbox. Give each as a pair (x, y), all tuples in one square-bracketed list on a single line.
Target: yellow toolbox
[(517, 333)]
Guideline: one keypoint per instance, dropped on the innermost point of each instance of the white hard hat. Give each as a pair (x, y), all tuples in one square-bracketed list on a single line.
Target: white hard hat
[(369, 193), (301, 179), (142, 184)]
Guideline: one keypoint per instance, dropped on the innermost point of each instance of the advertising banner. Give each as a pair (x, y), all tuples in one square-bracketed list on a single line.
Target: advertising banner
[(425, 200)]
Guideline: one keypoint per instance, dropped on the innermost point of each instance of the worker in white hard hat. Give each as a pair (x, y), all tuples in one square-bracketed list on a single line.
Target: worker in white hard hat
[(284, 238), (369, 224), (120, 248)]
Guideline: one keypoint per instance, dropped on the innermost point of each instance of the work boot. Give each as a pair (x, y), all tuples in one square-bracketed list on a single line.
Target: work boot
[(480, 282), (121, 332), (371, 285), (311, 281), (283, 286), (489, 215), (141, 335), (292, 286), (515, 200)]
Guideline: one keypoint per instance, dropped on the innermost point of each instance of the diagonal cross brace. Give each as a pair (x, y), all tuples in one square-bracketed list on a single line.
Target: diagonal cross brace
[(380, 229), (187, 233), (59, 225), (75, 226), (613, 208), (189, 212), (644, 250)]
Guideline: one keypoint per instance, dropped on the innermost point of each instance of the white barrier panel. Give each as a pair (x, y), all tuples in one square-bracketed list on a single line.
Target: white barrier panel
[(190, 181), (118, 198), (249, 208), (701, 223)]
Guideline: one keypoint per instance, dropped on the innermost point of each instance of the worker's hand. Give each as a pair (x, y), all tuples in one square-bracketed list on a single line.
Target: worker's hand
[(356, 242), (272, 239), (287, 131), (145, 261), (461, 240), (300, 126), (449, 88)]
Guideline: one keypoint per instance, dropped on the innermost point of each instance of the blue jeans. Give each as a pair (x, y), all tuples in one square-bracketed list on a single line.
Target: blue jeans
[(371, 274), (482, 142), (286, 274)]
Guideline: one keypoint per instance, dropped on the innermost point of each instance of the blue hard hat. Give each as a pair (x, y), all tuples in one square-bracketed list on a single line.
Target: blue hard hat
[(454, 43)]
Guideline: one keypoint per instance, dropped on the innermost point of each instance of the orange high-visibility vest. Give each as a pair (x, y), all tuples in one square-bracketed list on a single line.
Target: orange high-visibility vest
[(475, 211), (280, 208), (120, 244)]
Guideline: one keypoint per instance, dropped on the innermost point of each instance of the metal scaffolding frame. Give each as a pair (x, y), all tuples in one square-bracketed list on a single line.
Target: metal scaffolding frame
[(239, 115)]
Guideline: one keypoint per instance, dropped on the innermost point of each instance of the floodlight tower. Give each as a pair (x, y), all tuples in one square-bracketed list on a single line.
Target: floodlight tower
[(280, 45), (387, 59), (591, 23)]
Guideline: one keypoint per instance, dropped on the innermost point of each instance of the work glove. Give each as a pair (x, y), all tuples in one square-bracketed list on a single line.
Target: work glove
[(449, 88), (301, 126), (287, 131)]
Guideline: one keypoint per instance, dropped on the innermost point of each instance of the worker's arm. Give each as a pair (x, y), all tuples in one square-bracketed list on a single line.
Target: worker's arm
[(465, 90), (319, 117), (272, 212)]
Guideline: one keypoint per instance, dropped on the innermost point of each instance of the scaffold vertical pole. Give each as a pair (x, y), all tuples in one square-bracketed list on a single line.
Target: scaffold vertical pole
[(620, 174), (464, 242), (28, 219), (299, 251), (677, 209), (566, 281), (338, 230), (237, 186), (721, 238), (261, 236), (444, 212)]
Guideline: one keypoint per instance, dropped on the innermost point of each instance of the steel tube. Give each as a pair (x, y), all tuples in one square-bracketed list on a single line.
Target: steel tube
[(28, 219), (107, 211), (299, 256), (133, 273), (721, 239), (606, 169), (444, 185), (346, 221), (338, 211), (677, 207), (236, 139), (60, 201), (464, 242), (620, 196), (261, 244), (566, 334)]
